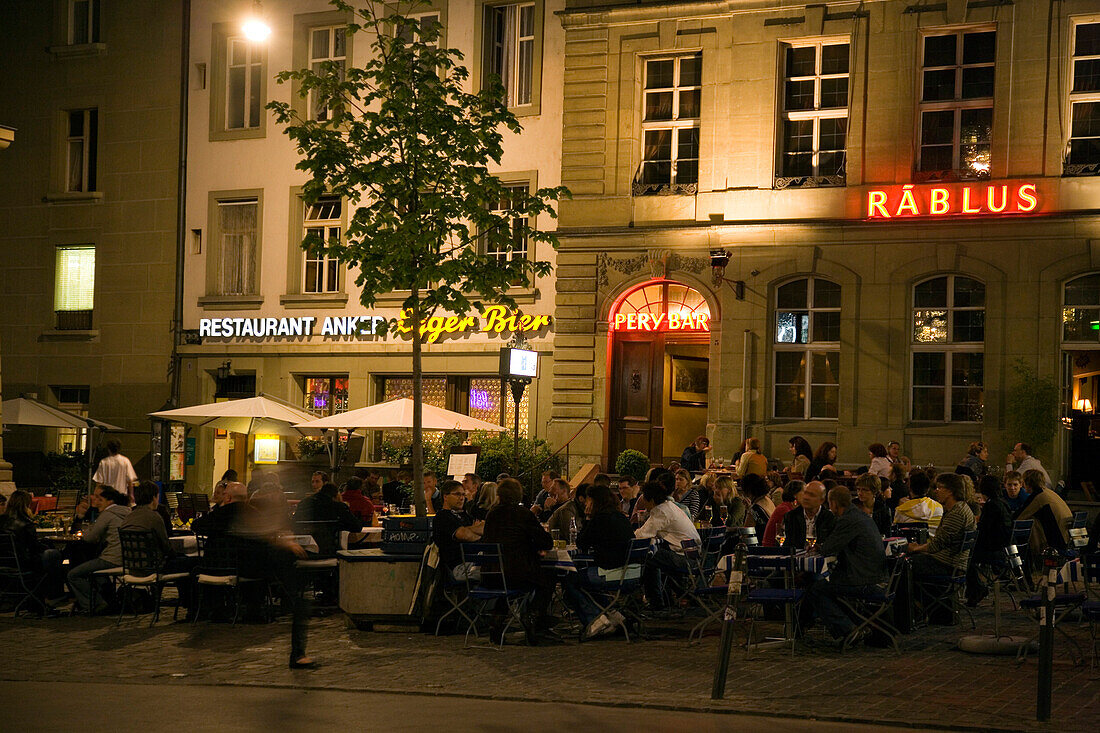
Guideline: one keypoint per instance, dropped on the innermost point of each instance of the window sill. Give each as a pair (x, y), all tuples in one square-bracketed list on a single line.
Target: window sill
[(665, 189), (314, 300), (251, 133), (76, 50), (73, 197), (69, 335), (781, 183), (231, 302)]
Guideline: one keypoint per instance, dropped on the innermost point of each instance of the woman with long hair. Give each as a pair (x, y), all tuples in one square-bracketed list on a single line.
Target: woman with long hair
[(825, 456), (801, 455), (18, 521)]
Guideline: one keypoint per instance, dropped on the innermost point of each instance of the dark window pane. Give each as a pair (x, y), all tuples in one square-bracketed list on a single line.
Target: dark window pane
[(969, 326), (826, 294), (827, 326), (931, 293), (969, 293), (790, 367), (967, 370), (1083, 291), (657, 172), (939, 85), (658, 145), (1086, 75), (691, 71), (799, 136), (977, 83), (687, 171), (800, 95), (939, 50), (801, 61), (1082, 152), (834, 93), (833, 133), (928, 403), (1086, 119), (76, 123), (966, 404), (1087, 40), (792, 294), (937, 128), (658, 74), (826, 367), (824, 402), (689, 103), (936, 158), (929, 369), (831, 164), (834, 59), (658, 105), (790, 400), (1081, 324), (979, 48), (798, 164)]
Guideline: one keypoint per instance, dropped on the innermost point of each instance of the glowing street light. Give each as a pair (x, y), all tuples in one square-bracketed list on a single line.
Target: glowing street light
[(256, 30)]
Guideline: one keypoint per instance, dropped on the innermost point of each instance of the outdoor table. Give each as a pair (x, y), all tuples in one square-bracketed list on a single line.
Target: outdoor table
[(559, 560), (307, 542), (184, 544), (59, 538), (371, 535)]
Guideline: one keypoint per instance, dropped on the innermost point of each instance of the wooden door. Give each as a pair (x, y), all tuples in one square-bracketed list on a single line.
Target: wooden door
[(635, 397)]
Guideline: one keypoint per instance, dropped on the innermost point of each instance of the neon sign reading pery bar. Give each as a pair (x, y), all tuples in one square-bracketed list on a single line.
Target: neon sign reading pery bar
[(970, 199), (671, 321)]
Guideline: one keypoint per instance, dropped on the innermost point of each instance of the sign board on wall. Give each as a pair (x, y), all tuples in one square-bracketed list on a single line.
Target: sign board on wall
[(943, 200)]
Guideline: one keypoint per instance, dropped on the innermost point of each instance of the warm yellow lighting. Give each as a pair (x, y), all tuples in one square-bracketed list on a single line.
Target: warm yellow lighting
[(1084, 405), (266, 449), (256, 30)]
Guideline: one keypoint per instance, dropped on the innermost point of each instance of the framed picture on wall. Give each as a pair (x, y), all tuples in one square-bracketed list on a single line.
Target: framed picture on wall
[(688, 380)]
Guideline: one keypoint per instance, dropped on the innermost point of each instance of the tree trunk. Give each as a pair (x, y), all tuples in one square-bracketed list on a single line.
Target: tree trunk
[(418, 419)]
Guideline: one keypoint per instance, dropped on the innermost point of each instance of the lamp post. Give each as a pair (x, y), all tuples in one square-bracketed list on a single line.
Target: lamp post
[(518, 366)]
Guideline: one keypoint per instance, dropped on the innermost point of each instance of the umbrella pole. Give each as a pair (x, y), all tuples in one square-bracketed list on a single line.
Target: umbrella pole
[(90, 453)]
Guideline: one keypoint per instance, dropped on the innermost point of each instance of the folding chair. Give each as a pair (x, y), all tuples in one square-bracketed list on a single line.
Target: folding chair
[(1065, 603), (67, 500), (322, 572), (491, 589), (942, 591), (763, 568), (143, 567), (620, 585), (704, 593), (1021, 538), (453, 593), (871, 607), (1090, 609), (748, 536), (13, 575)]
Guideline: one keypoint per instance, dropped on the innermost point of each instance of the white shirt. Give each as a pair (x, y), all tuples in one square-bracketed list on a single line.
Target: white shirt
[(1031, 463), (669, 523), (811, 524), (880, 467), (117, 472)]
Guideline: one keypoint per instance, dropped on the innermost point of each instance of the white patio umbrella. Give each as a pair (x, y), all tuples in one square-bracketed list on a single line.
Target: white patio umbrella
[(398, 414), (250, 415)]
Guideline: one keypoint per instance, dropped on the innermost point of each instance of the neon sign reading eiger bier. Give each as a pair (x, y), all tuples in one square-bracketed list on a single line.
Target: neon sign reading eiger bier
[(972, 199)]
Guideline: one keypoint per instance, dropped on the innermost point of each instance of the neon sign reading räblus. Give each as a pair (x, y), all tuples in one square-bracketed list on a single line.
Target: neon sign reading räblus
[(945, 200)]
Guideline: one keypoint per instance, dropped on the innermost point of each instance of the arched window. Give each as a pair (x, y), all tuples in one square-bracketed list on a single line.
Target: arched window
[(1081, 310), (948, 341), (661, 306), (807, 349)]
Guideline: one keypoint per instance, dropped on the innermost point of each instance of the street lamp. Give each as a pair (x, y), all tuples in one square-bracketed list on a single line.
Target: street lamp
[(518, 366), (255, 28)]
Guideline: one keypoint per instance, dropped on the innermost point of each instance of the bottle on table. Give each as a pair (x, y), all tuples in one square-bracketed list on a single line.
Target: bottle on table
[(573, 532)]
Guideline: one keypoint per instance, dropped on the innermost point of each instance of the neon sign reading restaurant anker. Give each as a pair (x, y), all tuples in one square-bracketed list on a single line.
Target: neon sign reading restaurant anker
[(971, 199)]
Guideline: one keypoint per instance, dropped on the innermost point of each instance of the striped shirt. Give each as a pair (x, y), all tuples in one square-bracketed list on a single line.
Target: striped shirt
[(945, 545)]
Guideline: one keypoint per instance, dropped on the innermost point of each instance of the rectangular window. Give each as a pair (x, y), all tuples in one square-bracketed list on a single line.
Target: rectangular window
[(1083, 156), (948, 363), (326, 396), (74, 399), (671, 102), (243, 84), (815, 114), (74, 287), (326, 46), (956, 107), (807, 349), (424, 20), (83, 22), (81, 143), (237, 225), (510, 245), (510, 49), (322, 220), (486, 400)]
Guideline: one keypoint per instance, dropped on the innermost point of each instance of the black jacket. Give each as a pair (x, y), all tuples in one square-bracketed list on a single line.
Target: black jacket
[(994, 526), (322, 508), (27, 545), (857, 544), (794, 526), (693, 459), (521, 537), (606, 536), (883, 517)]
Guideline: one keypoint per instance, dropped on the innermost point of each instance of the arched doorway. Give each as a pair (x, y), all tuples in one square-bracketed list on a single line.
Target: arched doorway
[(659, 362)]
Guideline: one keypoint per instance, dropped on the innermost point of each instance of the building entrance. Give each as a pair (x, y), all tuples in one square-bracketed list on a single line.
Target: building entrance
[(659, 363)]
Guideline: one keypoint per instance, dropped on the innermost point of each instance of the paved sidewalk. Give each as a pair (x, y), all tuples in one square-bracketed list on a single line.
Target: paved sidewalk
[(929, 685)]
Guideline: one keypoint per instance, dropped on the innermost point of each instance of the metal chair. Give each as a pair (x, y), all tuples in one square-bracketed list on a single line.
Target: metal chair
[(1065, 603), (871, 607), (942, 591), (67, 500), (762, 569), (13, 575), (748, 536), (143, 567), (620, 585), (1021, 538), (227, 564), (1090, 609), (453, 592), (491, 589)]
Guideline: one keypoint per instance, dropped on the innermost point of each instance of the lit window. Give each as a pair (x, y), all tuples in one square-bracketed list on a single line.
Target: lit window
[(1081, 312), (244, 84), (323, 222), (1083, 154), (326, 395), (956, 110), (74, 289), (511, 244), (326, 46), (815, 114), (807, 349), (81, 145), (510, 49), (948, 340), (237, 222), (671, 104), (487, 401), (83, 21), (75, 400)]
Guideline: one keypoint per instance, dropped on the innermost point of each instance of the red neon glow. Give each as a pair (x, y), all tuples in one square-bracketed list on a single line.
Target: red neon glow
[(967, 200)]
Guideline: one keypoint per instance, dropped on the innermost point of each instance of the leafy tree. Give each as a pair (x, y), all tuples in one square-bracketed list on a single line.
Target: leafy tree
[(409, 149), (1032, 407)]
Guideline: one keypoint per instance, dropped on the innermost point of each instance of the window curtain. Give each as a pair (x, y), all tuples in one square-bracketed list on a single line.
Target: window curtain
[(238, 252)]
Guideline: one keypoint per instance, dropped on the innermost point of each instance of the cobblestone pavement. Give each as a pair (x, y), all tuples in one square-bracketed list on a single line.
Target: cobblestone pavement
[(930, 684)]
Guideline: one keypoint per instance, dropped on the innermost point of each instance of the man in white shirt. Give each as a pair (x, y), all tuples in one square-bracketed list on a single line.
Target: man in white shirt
[(116, 470), (1022, 452), (667, 522)]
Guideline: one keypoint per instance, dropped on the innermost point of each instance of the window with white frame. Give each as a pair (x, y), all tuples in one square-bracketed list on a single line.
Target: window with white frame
[(243, 84), (1083, 150), (671, 101), (948, 341), (807, 349), (424, 21), (327, 45), (815, 113), (237, 228), (956, 107), (512, 244), (74, 287), (72, 399), (510, 49), (323, 220), (1081, 310), (83, 22), (81, 143)]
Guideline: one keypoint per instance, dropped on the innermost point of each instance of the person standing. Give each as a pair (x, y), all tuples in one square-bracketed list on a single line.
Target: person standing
[(116, 470)]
